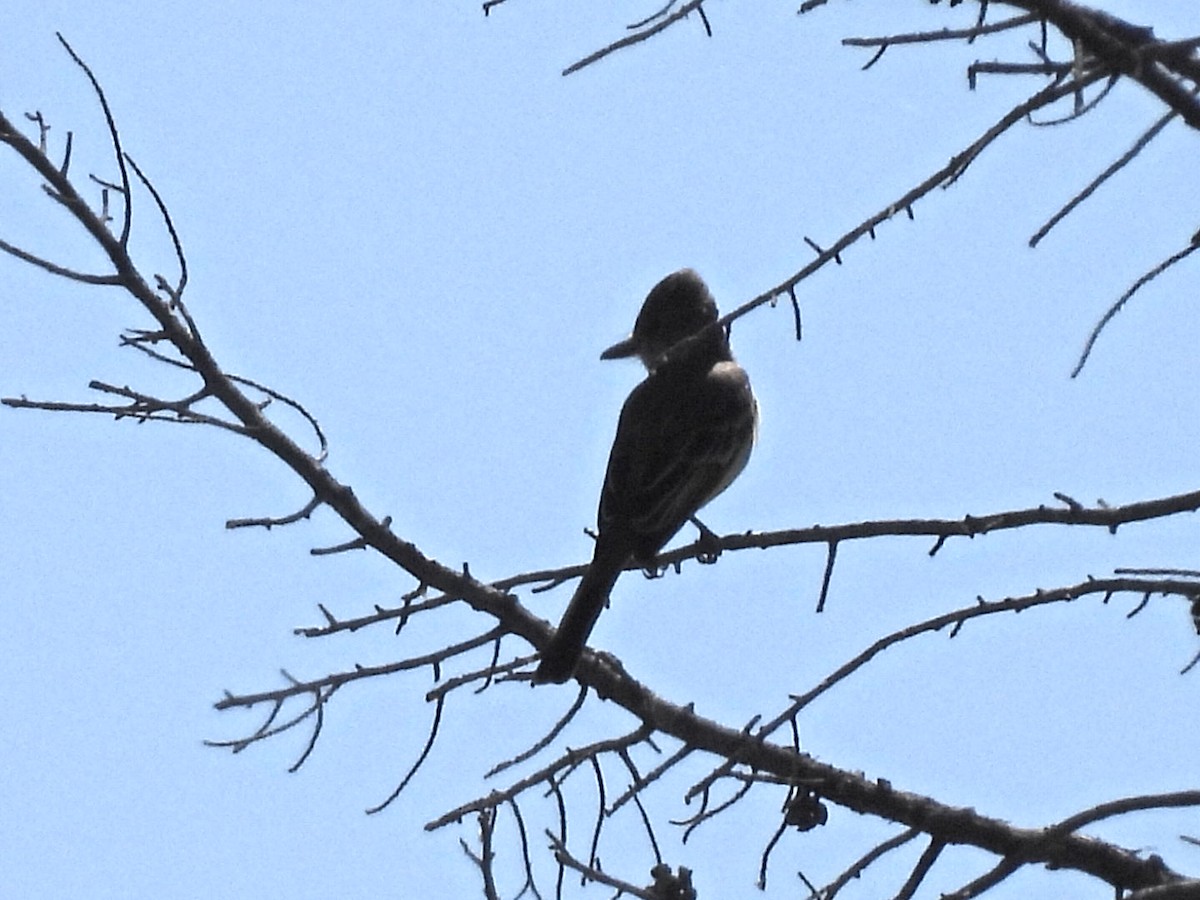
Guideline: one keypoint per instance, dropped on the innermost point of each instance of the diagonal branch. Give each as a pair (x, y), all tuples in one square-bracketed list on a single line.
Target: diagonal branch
[(855, 791), (638, 36), (248, 416), (1126, 48), (1073, 513), (943, 177), (955, 619)]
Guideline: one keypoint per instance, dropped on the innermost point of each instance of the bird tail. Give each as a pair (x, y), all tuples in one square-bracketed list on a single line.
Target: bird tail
[(565, 647)]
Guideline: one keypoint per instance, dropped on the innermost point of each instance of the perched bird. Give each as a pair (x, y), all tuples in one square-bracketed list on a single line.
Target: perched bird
[(684, 434)]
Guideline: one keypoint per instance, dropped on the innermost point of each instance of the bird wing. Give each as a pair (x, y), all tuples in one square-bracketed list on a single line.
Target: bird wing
[(681, 439)]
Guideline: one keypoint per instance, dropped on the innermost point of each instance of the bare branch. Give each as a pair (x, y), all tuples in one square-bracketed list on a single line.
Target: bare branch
[(945, 34), (523, 835), (1124, 298), (924, 864), (1186, 889), (381, 614), (988, 880), (315, 711), (1127, 49), (636, 38), (765, 859), (55, 268), (169, 223), (268, 523), (337, 679), (1105, 587), (487, 821), (416, 767), (637, 779), (543, 742), (864, 862), (115, 137), (1105, 49), (943, 177), (588, 873), (547, 774), (1126, 805), (650, 777), (1102, 515), (1124, 160)]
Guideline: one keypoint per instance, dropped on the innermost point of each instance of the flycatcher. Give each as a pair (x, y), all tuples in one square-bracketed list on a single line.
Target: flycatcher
[(685, 433)]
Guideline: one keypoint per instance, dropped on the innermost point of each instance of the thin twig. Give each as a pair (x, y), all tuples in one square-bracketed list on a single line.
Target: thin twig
[(944, 176), (636, 38), (1124, 298), (416, 767), (1120, 163), (127, 198), (945, 34)]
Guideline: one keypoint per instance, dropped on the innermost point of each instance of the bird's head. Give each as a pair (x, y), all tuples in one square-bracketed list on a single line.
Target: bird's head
[(676, 308)]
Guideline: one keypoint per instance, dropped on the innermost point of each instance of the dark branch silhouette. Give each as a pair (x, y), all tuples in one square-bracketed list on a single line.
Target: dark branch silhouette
[(1104, 53)]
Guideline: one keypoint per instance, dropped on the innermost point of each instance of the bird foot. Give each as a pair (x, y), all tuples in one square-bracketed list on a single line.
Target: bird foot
[(708, 545)]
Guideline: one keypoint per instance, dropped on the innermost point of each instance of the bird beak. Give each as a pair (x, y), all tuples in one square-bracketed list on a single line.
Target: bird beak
[(622, 349)]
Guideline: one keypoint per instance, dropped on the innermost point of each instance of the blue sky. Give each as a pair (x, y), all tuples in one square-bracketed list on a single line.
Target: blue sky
[(403, 216)]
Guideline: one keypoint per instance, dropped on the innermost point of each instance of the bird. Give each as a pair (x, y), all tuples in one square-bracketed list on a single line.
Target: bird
[(684, 434)]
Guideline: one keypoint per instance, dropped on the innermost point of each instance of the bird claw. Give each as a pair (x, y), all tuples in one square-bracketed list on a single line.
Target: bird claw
[(708, 545)]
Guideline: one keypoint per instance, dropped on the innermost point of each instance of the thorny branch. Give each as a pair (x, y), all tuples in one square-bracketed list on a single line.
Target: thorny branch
[(954, 620), (666, 884), (1071, 512), (943, 177), (1104, 49), (246, 413), (647, 28)]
